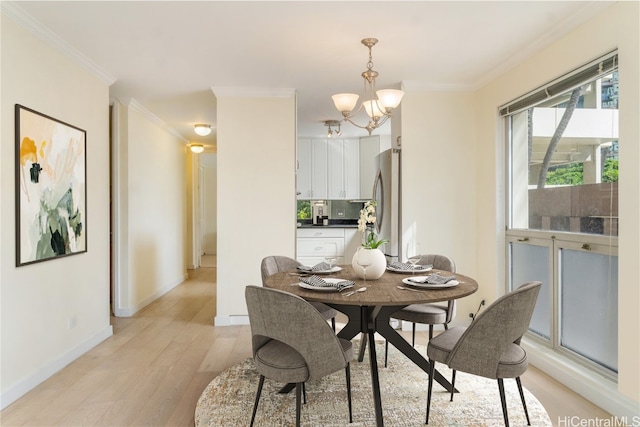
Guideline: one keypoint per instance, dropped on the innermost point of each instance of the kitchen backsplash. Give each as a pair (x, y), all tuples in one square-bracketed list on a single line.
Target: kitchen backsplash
[(338, 209), (344, 209)]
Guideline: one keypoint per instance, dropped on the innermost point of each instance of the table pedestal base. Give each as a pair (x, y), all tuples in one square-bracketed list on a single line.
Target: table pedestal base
[(371, 319)]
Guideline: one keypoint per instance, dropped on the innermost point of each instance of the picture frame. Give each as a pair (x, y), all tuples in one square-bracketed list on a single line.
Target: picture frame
[(51, 187)]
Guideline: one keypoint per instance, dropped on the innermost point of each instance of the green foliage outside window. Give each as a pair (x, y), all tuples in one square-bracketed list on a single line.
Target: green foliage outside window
[(572, 174), (610, 172), (304, 209)]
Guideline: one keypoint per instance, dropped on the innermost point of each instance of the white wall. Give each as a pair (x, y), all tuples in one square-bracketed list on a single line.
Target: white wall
[(152, 209), (256, 191), (438, 181), (40, 300), (617, 26)]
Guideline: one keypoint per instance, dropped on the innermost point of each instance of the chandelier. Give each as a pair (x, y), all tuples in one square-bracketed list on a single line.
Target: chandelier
[(331, 132), (377, 104)]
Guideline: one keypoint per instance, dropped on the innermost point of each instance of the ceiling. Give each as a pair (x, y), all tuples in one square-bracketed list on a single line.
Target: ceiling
[(168, 55)]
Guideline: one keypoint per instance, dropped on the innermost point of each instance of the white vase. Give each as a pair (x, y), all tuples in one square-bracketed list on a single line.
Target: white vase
[(377, 267)]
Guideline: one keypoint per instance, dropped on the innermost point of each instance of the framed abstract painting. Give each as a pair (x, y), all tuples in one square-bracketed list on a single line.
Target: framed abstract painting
[(51, 188)]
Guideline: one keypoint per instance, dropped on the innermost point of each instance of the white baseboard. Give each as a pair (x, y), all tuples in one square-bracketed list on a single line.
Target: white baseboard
[(596, 388), (18, 390), (231, 320), (130, 311)]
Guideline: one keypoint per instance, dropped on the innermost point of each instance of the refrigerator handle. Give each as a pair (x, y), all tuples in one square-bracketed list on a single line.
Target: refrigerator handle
[(380, 202)]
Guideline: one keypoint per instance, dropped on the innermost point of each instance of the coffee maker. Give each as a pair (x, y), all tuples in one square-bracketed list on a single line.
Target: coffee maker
[(319, 211)]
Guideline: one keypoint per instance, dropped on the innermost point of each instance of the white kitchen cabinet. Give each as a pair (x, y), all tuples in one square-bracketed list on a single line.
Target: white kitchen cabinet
[(335, 169), (319, 168), (303, 171), (343, 169), (310, 244), (352, 168), (311, 174)]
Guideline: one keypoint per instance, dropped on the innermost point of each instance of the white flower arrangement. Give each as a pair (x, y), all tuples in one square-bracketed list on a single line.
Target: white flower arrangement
[(366, 224)]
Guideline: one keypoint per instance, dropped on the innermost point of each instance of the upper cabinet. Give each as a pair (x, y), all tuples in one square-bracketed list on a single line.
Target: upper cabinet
[(303, 168), (343, 171), (311, 179), (337, 169)]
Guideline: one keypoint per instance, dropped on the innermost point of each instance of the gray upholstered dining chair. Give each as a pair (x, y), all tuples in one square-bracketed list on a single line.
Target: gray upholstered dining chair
[(277, 263), (490, 346), (296, 347), (427, 314)]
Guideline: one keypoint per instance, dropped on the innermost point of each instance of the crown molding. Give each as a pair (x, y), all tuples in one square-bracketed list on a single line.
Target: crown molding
[(13, 11), (132, 103), (585, 13), (253, 92), (562, 28)]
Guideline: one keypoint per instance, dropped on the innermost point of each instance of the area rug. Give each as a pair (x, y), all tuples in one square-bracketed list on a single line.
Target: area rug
[(228, 399)]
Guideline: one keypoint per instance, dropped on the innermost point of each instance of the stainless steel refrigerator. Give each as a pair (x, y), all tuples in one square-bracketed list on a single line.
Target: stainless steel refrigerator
[(387, 194)]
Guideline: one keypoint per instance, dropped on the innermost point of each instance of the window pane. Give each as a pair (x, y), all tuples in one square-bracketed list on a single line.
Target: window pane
[(565, 161), (589, 306), (531, 263)]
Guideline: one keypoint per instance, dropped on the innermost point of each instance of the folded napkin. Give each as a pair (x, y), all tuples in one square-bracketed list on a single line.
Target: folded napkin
[(319, 283), (323, 266), (408, 266), (434, 279)]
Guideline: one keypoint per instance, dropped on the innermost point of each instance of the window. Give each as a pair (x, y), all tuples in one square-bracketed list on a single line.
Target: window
[(563, 209)]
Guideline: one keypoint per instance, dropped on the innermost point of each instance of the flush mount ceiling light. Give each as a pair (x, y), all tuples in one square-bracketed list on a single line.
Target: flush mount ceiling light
[(196, 148), (202, 129), (377, 104), (331, 132)]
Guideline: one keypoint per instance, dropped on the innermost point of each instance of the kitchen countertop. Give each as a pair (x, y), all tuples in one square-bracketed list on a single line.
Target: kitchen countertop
[(337, 223)]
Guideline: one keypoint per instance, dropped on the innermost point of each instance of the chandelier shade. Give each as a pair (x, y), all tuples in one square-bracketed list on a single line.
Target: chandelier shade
[(345, 102), (378, 104), (389, 98), (373, 109)]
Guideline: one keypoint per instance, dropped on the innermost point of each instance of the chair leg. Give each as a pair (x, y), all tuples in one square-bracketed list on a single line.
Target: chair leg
[(255, 405), (453, 384), (413, 335), (304, 393), (348, 374), (432, 368), (386, 351), (333, 324), (430, 332), (298, 393), (503, 400), (524, 404)]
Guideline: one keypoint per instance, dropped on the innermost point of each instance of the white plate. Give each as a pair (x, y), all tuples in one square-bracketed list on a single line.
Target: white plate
[(322, 289), (335, 269), (397, 270), (408, 281)]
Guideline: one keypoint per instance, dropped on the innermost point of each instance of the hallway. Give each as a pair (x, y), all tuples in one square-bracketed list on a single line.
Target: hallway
[(150, 372)]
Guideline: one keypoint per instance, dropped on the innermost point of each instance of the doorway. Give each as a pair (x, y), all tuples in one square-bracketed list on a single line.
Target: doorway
[(208, 183)]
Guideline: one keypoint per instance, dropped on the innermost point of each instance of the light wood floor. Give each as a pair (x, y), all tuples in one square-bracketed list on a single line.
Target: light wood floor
[(155, 366)]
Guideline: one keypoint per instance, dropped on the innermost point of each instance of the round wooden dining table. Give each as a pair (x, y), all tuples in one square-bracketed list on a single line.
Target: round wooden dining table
[(369, 312)]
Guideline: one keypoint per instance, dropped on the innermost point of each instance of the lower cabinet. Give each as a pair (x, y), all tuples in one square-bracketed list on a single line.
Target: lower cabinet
[(311, 244), (311, 241)]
